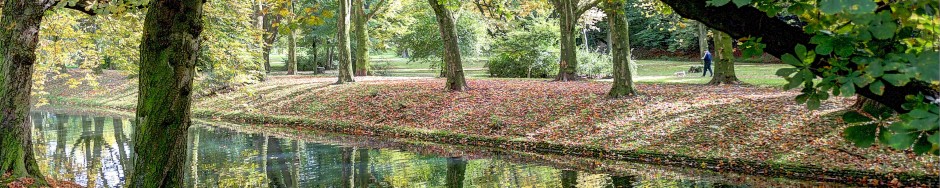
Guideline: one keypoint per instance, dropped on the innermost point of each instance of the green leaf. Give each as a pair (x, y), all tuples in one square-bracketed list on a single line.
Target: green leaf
[(863, 80), (922, 145), (850, 6), (896, 79), (934, 138), (927, 64), (742, 3), (786, 72), (824, 49), (902, 140), (830, 6), (718, 3), (854, 117), (877, 87), (800, 51), (847, 89), (874, 69), (862, 135), (789, 59), (813, 102)]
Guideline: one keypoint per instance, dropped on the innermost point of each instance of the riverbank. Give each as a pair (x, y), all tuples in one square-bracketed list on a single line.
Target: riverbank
[(725, 128)]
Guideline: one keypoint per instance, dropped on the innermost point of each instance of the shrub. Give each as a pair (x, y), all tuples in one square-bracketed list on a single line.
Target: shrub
[(594, 65), (530, 52)]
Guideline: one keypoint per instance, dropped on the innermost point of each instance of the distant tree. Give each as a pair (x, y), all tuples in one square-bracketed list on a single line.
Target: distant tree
[(363, 11)]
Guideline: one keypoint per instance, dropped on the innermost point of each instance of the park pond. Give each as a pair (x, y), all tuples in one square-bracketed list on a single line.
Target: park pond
[(92, 149)]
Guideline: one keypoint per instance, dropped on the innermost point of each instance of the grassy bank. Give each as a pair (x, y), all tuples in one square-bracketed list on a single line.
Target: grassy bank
[(714, 127)]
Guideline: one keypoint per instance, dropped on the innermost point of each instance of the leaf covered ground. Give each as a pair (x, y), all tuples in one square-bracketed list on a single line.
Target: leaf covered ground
[(744, 122)]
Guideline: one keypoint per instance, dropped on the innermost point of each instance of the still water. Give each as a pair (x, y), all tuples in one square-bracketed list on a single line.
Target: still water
[(93, 149)]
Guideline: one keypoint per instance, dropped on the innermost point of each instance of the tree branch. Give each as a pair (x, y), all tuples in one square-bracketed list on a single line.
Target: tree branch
[(79, 6), (586, 7), (381, 7), (781, 38)]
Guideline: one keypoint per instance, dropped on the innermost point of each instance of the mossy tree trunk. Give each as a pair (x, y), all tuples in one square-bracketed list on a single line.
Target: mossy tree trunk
[(569, 178), (569, 11), (724, 64), (362, 13), (620, 50), (168, 53), (19, 32), (342, 35), (453, 68)]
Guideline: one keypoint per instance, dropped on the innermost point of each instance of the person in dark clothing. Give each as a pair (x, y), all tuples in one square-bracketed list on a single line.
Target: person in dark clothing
[(708, 64)]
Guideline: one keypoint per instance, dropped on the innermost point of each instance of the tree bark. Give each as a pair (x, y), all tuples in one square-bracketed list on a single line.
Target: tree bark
[(168, 55), (342, 34), (362, 38), (620, 50), (270, 36), (781, 38), (291, 42), (19, 32), (702, 39), (568, 18), (452, 63), (724, 66), (363, 176)]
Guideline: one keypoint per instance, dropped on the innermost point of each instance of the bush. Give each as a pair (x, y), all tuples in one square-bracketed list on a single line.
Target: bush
[(594, 65), (530, 52)]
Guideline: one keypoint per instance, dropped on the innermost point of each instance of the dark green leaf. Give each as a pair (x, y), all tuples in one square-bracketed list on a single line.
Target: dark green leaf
[(862, 135), (742, 3), (718, 3), (786, 72), (854, 117), (789, 59), (877, 87), (922, 145), (934, 138), (896, 79), (902, 140), (847, 89)]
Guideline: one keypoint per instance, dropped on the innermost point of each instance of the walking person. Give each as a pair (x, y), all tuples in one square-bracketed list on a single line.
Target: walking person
[(708, 64)]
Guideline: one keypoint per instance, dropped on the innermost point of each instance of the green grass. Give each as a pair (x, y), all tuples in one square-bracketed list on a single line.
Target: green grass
[(648, 71)]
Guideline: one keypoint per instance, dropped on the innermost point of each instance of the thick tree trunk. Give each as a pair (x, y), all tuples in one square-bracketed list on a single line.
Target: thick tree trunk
[(724, 66), (362, 38), (342, 34), (452, 63), (620, 50), (363, 176), (19, 32), (864, 103), (168, 55), (568, 66), (456, 168)]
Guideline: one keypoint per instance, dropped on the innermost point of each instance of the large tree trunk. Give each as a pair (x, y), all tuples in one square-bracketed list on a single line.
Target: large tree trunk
[(568, 66), (363, 176), (452, 64), (620, 50), (342, 34), (168, 54), (569, 178), (724, 67), (362, 38), (18, 39)]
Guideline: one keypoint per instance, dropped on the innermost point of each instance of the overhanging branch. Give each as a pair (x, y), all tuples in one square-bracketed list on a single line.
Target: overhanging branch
[(781, 38)]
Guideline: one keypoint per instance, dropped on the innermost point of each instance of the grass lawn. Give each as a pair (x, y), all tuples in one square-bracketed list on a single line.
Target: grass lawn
[(648, 71)]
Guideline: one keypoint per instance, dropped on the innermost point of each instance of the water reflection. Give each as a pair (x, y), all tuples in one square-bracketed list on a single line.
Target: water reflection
[(94, 150)]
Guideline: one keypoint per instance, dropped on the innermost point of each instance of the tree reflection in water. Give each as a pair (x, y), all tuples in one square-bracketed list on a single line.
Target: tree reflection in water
[(222, 157)]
